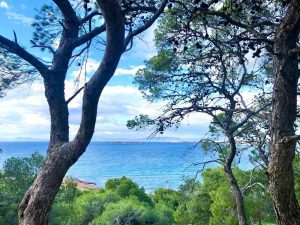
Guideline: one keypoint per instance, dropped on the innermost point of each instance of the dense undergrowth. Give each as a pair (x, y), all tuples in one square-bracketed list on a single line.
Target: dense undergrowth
[(123, 202)]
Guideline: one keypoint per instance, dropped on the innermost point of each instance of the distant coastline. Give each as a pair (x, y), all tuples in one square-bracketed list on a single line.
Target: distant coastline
[(124, 142), (110, 141), (107, 142)]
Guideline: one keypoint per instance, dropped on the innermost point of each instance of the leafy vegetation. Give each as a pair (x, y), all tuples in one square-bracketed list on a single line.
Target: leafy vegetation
[(122, 201), (16, 177), (203, 65)]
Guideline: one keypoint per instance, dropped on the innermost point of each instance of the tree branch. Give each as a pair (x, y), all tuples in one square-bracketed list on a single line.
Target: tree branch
[(70, 17), (89, 36), (239, 24), (90, 16), (16, 49), (115, 27), (70, 32), (141, 8), (75, 94), (44, 46), (219, 161), (147, 24), (251, 113), (15, 36)]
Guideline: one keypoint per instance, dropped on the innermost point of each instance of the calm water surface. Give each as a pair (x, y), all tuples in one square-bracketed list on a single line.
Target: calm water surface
[(151, 165)]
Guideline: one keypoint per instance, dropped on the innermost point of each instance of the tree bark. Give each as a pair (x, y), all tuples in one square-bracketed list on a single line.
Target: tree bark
[(239, 199), (284, 103), (62, 154), (36, 204)]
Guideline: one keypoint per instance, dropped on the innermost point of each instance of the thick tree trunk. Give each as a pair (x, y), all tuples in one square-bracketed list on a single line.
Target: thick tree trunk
[(37, 202), (282, 152), (62, 154), (280, 170), (239, 199)]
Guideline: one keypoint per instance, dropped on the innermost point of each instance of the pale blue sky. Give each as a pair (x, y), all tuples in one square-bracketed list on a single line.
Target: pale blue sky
[(24, 111)]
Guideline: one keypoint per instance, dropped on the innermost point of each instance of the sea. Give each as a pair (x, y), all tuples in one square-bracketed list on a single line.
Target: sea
[(150, 164)]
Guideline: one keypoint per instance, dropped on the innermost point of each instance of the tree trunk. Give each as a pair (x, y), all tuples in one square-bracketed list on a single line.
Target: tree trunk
[(239, 199), (280, 170), (37, 202), (62, 154)]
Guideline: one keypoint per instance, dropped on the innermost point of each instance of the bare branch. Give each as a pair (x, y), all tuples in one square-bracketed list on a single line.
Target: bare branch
[(253, 113), (255, 184), (242, 25), (141, 8), (44, 46), (15, 36), (204, 164), (89, 17), (75, 94), (89, 36)]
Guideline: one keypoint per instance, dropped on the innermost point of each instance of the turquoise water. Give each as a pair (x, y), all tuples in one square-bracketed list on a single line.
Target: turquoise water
[(151, 165)]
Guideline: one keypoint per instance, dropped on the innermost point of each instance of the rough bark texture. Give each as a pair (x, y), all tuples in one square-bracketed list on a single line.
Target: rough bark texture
[(239, 199), (62, 154), (284, 104)]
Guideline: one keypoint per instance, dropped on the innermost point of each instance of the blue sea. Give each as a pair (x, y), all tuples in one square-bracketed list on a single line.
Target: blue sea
[(151, 165)]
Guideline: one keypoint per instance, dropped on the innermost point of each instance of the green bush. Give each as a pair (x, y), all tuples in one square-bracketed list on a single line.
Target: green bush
[(83, 209), (125, 187), (124, 212), (122, 201), (15, 179)]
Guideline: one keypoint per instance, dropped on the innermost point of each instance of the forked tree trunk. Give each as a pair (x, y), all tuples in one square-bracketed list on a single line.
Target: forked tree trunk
[(282, 151)]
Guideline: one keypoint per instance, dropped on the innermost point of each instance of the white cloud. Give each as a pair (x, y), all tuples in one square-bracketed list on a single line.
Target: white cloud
[(4, 5), (131, 71), (24, 113), (92, 65), (19, 18)]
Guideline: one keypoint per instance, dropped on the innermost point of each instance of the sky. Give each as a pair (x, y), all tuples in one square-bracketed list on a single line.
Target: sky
[(24, 111)]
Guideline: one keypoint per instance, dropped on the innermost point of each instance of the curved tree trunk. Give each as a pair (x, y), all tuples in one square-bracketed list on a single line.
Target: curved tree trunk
[(282, 151), (239, 199), (37, 202)]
